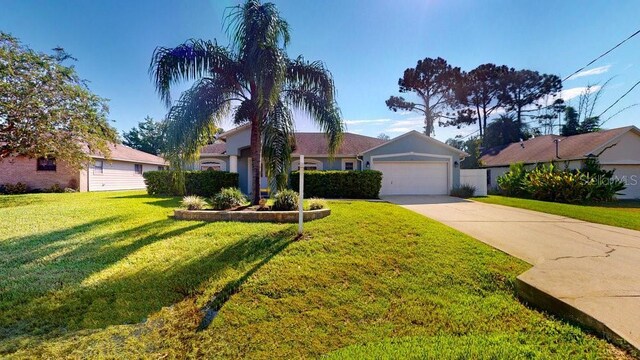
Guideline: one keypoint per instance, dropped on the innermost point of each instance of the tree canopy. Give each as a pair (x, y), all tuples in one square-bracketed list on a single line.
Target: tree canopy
[(433, 81), (46, 110), (148, 136), (254, 81)]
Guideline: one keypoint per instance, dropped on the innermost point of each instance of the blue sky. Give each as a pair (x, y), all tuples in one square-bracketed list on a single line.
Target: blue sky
[(366, 44)]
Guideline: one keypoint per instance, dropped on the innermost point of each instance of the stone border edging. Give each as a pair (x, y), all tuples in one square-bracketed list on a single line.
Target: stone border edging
[(250, 216)]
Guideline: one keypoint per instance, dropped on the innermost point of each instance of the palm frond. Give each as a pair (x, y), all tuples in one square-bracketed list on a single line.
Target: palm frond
[(312, 76), (323, 112), (245, 112), (257, 31), (189, 61), (196, 116), (278, 140)]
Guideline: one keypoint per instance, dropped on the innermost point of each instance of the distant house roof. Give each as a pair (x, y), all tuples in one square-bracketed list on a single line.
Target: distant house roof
[(313, 144), (124, 153), (217, 148), (543, 148), (310, 144)]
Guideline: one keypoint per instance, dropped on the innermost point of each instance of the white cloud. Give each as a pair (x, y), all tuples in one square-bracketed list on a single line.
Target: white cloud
[(367, 121), (595, 71), (568, 94), (409, 122), (399, 129), (401, 126)]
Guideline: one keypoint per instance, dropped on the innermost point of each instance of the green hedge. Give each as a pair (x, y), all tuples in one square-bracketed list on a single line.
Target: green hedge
[(202, 183), (339, 184)]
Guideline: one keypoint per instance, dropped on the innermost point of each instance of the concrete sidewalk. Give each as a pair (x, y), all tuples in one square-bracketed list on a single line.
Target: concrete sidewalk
[(586, 272)]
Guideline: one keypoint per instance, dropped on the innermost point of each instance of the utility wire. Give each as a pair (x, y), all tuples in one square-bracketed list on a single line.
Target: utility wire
[(582, 68), (615, 102), (603, 54)]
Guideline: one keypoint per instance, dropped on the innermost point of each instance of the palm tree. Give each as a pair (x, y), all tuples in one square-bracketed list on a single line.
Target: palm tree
[(254, 81)]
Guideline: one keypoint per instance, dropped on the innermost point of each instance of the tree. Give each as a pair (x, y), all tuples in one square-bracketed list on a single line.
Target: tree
[(46, 110), (255, 81), (148, 136), (571, 122), (506, 129), (521, 89), (478, 93), (432, 80), (471, 146), (383, 136)]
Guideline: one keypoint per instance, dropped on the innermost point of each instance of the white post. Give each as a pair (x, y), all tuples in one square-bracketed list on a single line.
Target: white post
[(301, 196)]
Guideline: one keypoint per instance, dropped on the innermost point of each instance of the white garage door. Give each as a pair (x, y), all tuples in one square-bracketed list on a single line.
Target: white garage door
[(413, 177)]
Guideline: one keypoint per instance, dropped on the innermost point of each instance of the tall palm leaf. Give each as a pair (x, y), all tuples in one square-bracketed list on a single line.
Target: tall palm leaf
[(254, 81)]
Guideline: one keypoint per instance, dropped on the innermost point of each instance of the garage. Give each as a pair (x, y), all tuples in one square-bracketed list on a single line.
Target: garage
[(413, 177)]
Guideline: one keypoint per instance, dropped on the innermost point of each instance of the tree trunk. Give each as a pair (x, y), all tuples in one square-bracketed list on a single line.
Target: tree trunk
[(256, 159)]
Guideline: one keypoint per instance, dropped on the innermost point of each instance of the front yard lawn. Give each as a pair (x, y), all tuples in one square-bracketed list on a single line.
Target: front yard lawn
[(623, 213), (112, 275)]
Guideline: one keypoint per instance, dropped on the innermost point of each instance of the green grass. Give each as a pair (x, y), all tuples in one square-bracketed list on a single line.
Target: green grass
[(624, 213), (111, 275)]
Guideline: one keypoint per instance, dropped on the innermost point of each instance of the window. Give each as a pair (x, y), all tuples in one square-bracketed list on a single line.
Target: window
[(98, 167), (349, 165), (214, 165), (137, 168), (160, 167), (46, 164)]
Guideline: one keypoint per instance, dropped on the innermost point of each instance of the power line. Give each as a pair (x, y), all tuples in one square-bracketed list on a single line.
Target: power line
[(615, 102), (579, 70), (603, 54)]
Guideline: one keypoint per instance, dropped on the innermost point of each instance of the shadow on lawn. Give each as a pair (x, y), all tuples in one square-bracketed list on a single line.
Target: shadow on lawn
[(163, 201), (66, 304)]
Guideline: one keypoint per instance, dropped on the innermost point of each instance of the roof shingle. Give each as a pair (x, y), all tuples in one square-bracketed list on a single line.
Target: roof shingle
[(315, 144), (543, 148), (125, 153)]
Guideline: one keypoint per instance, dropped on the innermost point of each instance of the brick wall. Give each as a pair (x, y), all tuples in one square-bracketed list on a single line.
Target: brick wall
[(24, 170)]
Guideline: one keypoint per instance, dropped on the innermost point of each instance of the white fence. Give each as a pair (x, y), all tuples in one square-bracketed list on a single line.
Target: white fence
[(476, 178)]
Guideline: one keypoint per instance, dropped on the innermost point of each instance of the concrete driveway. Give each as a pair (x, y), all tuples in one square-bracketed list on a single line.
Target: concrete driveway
[(586, 272)]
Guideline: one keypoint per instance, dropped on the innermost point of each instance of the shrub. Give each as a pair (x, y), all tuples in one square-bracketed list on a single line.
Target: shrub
[(464, 191), (201, 183), (512, 182), (70, 190), (193, 202), (228, 198), (55, 188), (15, 189), (208, 183), (354, 184), (317, 204), (285, 200), (548, 183)]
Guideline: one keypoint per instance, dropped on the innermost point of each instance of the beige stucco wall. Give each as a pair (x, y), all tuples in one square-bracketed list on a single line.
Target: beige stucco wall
[(626, 151), (23, 169)]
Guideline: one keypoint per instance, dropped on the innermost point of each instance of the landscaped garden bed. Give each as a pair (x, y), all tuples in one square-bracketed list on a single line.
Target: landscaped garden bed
[(230, 204), (250, 215)]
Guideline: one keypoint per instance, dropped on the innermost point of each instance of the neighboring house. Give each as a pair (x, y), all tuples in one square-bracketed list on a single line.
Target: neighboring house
[(123, 171), (411, 163), (616, 149)]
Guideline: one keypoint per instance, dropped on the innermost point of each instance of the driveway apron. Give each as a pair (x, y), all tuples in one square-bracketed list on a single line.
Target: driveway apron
[(586, 272)]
